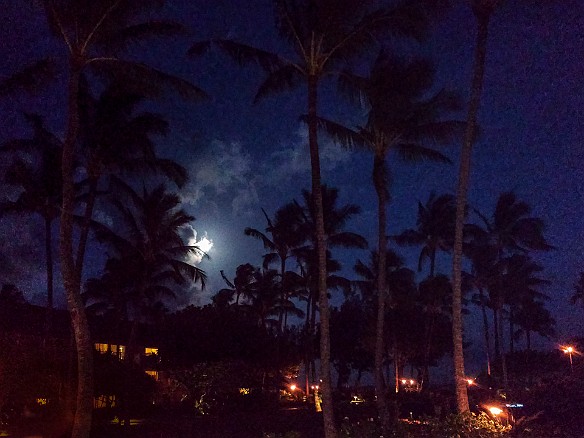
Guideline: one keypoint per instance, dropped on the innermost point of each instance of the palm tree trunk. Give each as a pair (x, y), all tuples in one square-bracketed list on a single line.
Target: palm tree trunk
[(503, 358), (49, 261), (71, 282), (511, 330), (49, 258), (486, 331), (330, 430), (496, 334), (461, 193), (379, 184), (84, 233)]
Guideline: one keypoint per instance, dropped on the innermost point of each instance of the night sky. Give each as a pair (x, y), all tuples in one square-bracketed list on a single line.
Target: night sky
[(242, 157)]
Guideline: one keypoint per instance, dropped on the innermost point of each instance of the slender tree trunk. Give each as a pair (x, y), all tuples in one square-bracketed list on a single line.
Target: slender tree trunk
[(486, 331), (511, 330), (380, 189), (461, 193), (496, 334), (71, 281), (85, 226), (330, 430), (49, 258), (503, 358), (49, 261)]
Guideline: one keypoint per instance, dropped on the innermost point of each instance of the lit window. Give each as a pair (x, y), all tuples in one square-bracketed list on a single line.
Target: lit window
[(104, 401), (102, 348), (148, 351), (153, 374)]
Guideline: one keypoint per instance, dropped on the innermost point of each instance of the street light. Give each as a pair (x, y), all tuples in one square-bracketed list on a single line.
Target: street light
[(569, 350)]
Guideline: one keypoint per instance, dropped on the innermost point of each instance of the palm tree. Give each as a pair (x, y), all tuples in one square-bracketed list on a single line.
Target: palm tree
[(148, 248), (239, 287), (115, 140), (435, 297), (322, 35), (40, 183), (435, 229), (284, 239), (401, 305), (93, 34), (498, 250), (148, 257), (482, 10), (401, 117)]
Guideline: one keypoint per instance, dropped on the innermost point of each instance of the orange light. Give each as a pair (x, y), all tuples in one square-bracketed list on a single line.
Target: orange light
[(293, 387), (411, 382), (470, 382), (404, 381), (495, 410), (568, 350)]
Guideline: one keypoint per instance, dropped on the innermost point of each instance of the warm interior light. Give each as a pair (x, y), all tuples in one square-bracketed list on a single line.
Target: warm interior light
[(292, 387)]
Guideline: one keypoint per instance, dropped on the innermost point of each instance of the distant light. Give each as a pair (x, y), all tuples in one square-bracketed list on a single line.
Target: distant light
[(514, 405), (293, 387), (568, 349), (411, 382), (495, 410), (470, 382), (404, 381)]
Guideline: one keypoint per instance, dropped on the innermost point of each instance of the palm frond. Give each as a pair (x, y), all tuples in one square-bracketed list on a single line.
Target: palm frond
[(148, 80), (416, 152), (139, 32), (342, 135), (29, 78), (286, 77), (245, 54)]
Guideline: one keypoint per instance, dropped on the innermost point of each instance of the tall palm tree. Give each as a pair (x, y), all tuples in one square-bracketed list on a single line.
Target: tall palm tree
[(40, 183), (148, 246), (115, 140), (510, 230), (148, 256), (482, 10), (322, 35), (284, 239), (94, 33), (403, 118), (435, 229)]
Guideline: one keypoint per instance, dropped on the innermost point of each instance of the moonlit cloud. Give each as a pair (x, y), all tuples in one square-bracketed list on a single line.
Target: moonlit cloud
[(292, 160), (192, 239), (231, 177)]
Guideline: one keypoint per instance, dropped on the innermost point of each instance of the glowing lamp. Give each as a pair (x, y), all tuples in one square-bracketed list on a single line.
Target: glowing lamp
[(495, 410)]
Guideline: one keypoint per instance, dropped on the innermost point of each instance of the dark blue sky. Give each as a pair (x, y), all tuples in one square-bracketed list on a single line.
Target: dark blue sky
[(242, 157)]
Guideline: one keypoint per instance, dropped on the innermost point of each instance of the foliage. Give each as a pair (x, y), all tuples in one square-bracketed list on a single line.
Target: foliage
[(454, 426)]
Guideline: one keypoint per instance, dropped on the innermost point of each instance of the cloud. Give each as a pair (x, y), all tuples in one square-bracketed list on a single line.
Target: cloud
[(230, 177), (190, 236), (224, 177), (292, 161)]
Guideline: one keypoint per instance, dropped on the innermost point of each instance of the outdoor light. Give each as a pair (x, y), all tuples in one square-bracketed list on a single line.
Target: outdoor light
[(411, 382), (470, 382), (569, 350), (495, 410), (404, 381), (293, 387)]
